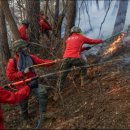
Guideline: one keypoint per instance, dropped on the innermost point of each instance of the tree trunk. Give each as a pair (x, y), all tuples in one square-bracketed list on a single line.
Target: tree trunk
[(5, 6), (33, 10), (33, 13), (56, 10), (115, 8), (57, 19), (121, 16), (71, 14), (4, 48), (46, 8)]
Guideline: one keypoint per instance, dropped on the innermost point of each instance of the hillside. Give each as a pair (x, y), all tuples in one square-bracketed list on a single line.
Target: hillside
[(103, 103)]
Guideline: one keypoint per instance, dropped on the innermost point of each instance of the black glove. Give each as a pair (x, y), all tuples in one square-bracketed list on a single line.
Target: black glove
[(33, 83)]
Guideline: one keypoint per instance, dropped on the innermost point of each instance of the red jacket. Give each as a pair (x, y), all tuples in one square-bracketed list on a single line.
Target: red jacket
[(74, 44), (13, 74), (11, 98), (43, 24), (23, 32)]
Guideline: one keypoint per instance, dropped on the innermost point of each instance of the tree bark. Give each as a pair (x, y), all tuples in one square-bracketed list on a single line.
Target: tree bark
[(46, 8), (4, 47), (70, 20), (5, 6), (57, 20), (56, 10), (33, 10)]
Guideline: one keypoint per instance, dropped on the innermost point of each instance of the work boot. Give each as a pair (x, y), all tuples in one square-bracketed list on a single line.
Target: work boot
[(44, 117)]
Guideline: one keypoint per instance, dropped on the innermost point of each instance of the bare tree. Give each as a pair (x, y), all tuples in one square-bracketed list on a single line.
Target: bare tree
[(115, 8), (86, 5), (22, 10), (70, 20), (121, 16), (56, 10), (104, 19), (58, 19), (4, 48), (46, 8), (33, 11), (5, 6)]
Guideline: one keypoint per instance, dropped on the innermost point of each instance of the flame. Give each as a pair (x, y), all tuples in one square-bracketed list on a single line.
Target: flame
[(114, 46)]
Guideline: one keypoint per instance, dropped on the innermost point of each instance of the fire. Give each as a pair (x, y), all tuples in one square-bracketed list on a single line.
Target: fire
[(114, 46)]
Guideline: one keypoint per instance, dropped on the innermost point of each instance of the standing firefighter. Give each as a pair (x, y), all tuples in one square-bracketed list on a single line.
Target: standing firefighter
[(18, 69), (45, 27), (72, 53), (23, 30), (8, 97)]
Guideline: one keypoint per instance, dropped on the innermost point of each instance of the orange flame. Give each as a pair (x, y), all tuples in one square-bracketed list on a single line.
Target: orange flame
[(114, 46)]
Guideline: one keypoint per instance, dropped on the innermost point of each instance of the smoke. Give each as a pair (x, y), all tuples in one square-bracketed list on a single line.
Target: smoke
[(96, 17)]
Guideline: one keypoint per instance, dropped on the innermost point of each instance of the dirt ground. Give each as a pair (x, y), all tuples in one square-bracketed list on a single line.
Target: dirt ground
[(104, 103)]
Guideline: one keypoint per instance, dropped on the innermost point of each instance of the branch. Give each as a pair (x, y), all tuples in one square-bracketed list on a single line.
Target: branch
[(88, 16), (104, 19), (18, 2), (79, 12)]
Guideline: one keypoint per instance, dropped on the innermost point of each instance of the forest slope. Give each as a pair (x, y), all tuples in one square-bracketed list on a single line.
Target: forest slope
[(103, 103)]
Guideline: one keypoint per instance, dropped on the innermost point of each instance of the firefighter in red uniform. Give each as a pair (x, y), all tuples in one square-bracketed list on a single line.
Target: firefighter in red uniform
[(45, 27), (18, 69), (72, 53), (23, 30), (8, 97)]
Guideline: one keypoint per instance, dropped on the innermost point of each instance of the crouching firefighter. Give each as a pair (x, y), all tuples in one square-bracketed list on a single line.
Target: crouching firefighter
[(8, 97), (72, 55), (18, 69)]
